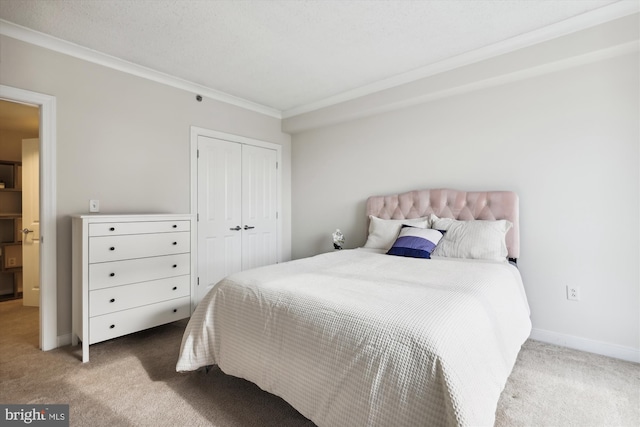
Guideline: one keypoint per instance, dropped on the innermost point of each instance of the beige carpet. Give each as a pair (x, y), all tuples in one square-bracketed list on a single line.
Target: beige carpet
[(131, 381)]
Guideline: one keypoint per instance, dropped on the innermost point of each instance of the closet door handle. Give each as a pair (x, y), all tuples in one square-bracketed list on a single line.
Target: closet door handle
[(236, 228), (248, 227)]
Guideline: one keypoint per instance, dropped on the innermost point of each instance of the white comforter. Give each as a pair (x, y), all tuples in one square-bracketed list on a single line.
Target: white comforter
[(355, 338)]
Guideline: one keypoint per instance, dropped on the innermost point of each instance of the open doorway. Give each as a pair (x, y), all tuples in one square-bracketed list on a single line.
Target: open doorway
[(47, 234), (19, 214)]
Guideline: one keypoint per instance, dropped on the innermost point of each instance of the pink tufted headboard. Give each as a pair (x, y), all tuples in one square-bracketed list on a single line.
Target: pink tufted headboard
[(445, 203)]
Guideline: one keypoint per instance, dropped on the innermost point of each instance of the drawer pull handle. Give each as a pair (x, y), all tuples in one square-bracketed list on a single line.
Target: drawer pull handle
[(175, 265), (175, 310), (112, 326), (112, 274), (175, 288), (112, 300), (175, 243), (175, 226), (112, 248), (112, 229)]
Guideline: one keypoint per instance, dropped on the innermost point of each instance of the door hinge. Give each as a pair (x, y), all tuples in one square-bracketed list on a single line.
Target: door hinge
[(198, 280), (198, 153), (198, 217), (276, 215), (276, 165)]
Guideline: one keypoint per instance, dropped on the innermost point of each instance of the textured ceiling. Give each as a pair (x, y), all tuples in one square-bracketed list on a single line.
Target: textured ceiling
[(287, 54)]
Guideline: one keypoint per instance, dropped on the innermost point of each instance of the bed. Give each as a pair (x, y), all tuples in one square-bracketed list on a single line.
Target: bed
[(360, 337)]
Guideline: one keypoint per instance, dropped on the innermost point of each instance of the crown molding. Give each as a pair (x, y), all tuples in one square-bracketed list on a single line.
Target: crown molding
[(55, 44), (295, 125), (608, 13), (580, 22)]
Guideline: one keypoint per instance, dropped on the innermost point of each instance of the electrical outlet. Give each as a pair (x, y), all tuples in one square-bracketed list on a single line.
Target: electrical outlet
[(11, 262), (573, 293), (94, 205)]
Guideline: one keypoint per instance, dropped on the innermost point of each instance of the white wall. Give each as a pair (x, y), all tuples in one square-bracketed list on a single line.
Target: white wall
[(124, 140), (567, 142)]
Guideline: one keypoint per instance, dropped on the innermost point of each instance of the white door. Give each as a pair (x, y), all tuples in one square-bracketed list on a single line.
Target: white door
[(219, 211), (31, 222), (237, 209), (259, 222)]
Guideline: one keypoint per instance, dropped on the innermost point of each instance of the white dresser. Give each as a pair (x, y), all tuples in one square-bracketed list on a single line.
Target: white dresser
[(130, 272)]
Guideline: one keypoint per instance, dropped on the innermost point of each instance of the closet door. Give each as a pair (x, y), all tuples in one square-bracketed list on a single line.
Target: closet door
[(237, 209), (219, 211), (259, 222)]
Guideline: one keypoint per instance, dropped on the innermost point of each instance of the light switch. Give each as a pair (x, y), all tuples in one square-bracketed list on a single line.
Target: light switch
[(94, 205)]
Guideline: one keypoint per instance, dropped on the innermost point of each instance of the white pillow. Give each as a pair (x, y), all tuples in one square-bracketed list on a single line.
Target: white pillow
[(441, 223), (383, 232), (476, 239)]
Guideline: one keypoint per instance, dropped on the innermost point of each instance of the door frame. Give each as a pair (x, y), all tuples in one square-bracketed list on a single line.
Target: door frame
[(48, 236), (195, 133)]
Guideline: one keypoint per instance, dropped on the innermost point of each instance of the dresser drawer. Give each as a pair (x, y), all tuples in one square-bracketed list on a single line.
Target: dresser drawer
[(124, 322), (107, 274), (117, 298), (137, 227), (113, 248)]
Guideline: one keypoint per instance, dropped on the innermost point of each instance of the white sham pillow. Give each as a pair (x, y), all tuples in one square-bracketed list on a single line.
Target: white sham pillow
[(441, 223), (477, 239), (384, 232)]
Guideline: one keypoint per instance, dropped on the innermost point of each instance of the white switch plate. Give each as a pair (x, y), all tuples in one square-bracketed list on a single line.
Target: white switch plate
[(94, 205)]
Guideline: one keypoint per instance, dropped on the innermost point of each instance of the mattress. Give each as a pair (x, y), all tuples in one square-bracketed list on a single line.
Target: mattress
[(360, 338)]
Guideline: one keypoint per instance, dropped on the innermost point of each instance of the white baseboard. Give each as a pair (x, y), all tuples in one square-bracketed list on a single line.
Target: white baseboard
[(64, 340), (584, 344)]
